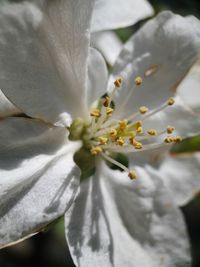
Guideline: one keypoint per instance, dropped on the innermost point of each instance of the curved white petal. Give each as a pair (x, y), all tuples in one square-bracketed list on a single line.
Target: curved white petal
[(114, 14), (185, 121), (118, 222), (189, 89), (162, 52), (38, 176), (108, 43), (97, 76), (43, 57), (180, 173), (6, 107)]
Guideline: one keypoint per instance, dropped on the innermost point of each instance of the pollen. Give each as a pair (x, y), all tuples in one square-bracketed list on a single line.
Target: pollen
[(171, 101), (109, 111), (118, 82), (113, 132), (123, 124), (120, 141), (143, 109), (170, 129), (103, 140), (138, 124), (95, 150), (132, 175), (95, 113), (106, 101), (135, 143), (139, 130), (132, 141), (138, 81), (152, 132), (169, 139), (138, 145), (177, 139)]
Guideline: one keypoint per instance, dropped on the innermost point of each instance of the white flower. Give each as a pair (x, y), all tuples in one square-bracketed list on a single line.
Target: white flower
[(116, 14), (107, 15), (189, 88), (49, 72)]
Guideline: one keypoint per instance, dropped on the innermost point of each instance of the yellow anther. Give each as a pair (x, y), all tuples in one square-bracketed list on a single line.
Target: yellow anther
[(139, 130), (103, 140), (138, 80), (170, 129), (118, 82), (132, 141), (95, 150), (152, 132), (177, 139), (120, 141), (138, 145), (135, 143), (169, 139), (171, 101), (95, 113), (113, 132), (132, 175), (106, 101), (143, 109), (109, 111), (138, 124), (123, 124)]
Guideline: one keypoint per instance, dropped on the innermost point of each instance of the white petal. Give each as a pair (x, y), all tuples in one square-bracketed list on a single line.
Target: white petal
[(189, 89), (114, 14), (118, 222), (180, 173), (108, 43), (185, 121), (38, 176), (43, 56), (162, 52), (97, 76), (6, 107)]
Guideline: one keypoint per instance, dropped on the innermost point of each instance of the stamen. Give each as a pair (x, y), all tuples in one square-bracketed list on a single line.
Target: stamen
[(103, 140), (138, 145), (171, 101), (120, 141), (109, 111), (113, 132), (96, 150), (95, 113), (138, 81), (152, 132), (170, 129), (139, 130), (106, 101), (143, 109), (177, 139), (132, 174), (135, 143), (118, 82), (123, 124), (169, 139)]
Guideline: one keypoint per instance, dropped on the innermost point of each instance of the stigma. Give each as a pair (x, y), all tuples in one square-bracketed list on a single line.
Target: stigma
[(104, 135)]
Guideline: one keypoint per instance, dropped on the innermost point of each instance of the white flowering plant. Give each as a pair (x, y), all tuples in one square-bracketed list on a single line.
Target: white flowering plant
[(92, 146)]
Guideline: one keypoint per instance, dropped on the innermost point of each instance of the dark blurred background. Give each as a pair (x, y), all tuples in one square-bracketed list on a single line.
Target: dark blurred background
[(49, 248)]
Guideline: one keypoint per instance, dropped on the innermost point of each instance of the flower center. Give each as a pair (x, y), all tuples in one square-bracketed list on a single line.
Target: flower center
[(105, 136)]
